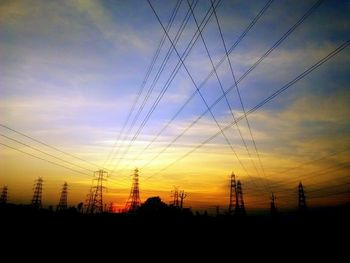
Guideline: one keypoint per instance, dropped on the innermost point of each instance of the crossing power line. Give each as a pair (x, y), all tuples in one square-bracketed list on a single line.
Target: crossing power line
[(201, 85), (264, 56), (144, 82), (183, 57), (199, 92), (263, 102), (46, 144), (43, 159)]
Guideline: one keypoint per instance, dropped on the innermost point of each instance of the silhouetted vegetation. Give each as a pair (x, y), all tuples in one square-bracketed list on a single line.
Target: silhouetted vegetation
[(155, 207), (156, 224)]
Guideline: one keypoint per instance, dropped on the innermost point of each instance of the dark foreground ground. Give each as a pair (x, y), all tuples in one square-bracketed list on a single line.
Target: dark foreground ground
[(317, 232)]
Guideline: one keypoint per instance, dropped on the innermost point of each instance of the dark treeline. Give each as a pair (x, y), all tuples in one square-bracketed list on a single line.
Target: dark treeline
[(156, 214), (156, 226)]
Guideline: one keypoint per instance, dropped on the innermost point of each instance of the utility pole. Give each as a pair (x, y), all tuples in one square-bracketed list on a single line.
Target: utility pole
[(62, 205), (38, 189), (302, 198), (3, 198), (134, 201), (175, 196), (182, 196)]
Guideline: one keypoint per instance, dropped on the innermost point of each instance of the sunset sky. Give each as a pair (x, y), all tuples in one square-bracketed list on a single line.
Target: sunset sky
[(71, 70)]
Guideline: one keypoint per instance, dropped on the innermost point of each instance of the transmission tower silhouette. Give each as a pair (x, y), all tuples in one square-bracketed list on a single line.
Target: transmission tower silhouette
[(62, 205), (175, 196), (38, 189), (178, 197), (240, 208), (302, 198), (3, 198), (233, 205), (134, 201), (236, 205), (95, 197), (111, 208), (273, 208), (88, 200), (182, 196)]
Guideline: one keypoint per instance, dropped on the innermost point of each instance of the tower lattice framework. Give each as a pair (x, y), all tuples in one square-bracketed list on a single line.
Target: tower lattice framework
[(134, 201), (37, 195)]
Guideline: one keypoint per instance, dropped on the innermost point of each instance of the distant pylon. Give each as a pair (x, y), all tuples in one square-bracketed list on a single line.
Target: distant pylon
[(36, 201), (3, 198), (111, 208), (302, 198), (233, 205), (62, 205), (175, 196), (273, 208), (88, 200), (95, 199), (134, 201), (240, 208), (182, 196)]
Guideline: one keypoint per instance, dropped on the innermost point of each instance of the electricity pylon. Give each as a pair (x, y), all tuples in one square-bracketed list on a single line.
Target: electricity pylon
[(38, 189), (62, 205), (134, 201)]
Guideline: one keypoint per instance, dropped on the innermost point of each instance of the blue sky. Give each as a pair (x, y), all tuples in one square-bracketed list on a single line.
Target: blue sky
[(70, 71)]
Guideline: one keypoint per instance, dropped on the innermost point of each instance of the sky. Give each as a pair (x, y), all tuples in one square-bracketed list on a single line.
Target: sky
[(71, 72)]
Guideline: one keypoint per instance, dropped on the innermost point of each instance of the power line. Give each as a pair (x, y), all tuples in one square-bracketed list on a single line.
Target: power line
[(288, 194), (219, 81), (172, 75), (330, 194), (238, 92), (32, 155), (148, 73), (48, 154), (315, 160), (206, 79), (221, 86), (47, 145), (312, 174), (262, 103), (328, 187), (299, 22), (274, 46), (199, 92), (157, 76)]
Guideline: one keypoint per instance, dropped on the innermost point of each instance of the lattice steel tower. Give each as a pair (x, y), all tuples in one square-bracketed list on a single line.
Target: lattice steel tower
[(95, 204), (240, 208), (182, 196), (175, 196), (38, 189), (62, 205), (3, 198), (134, 201), (233, 205), (236, 205)]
